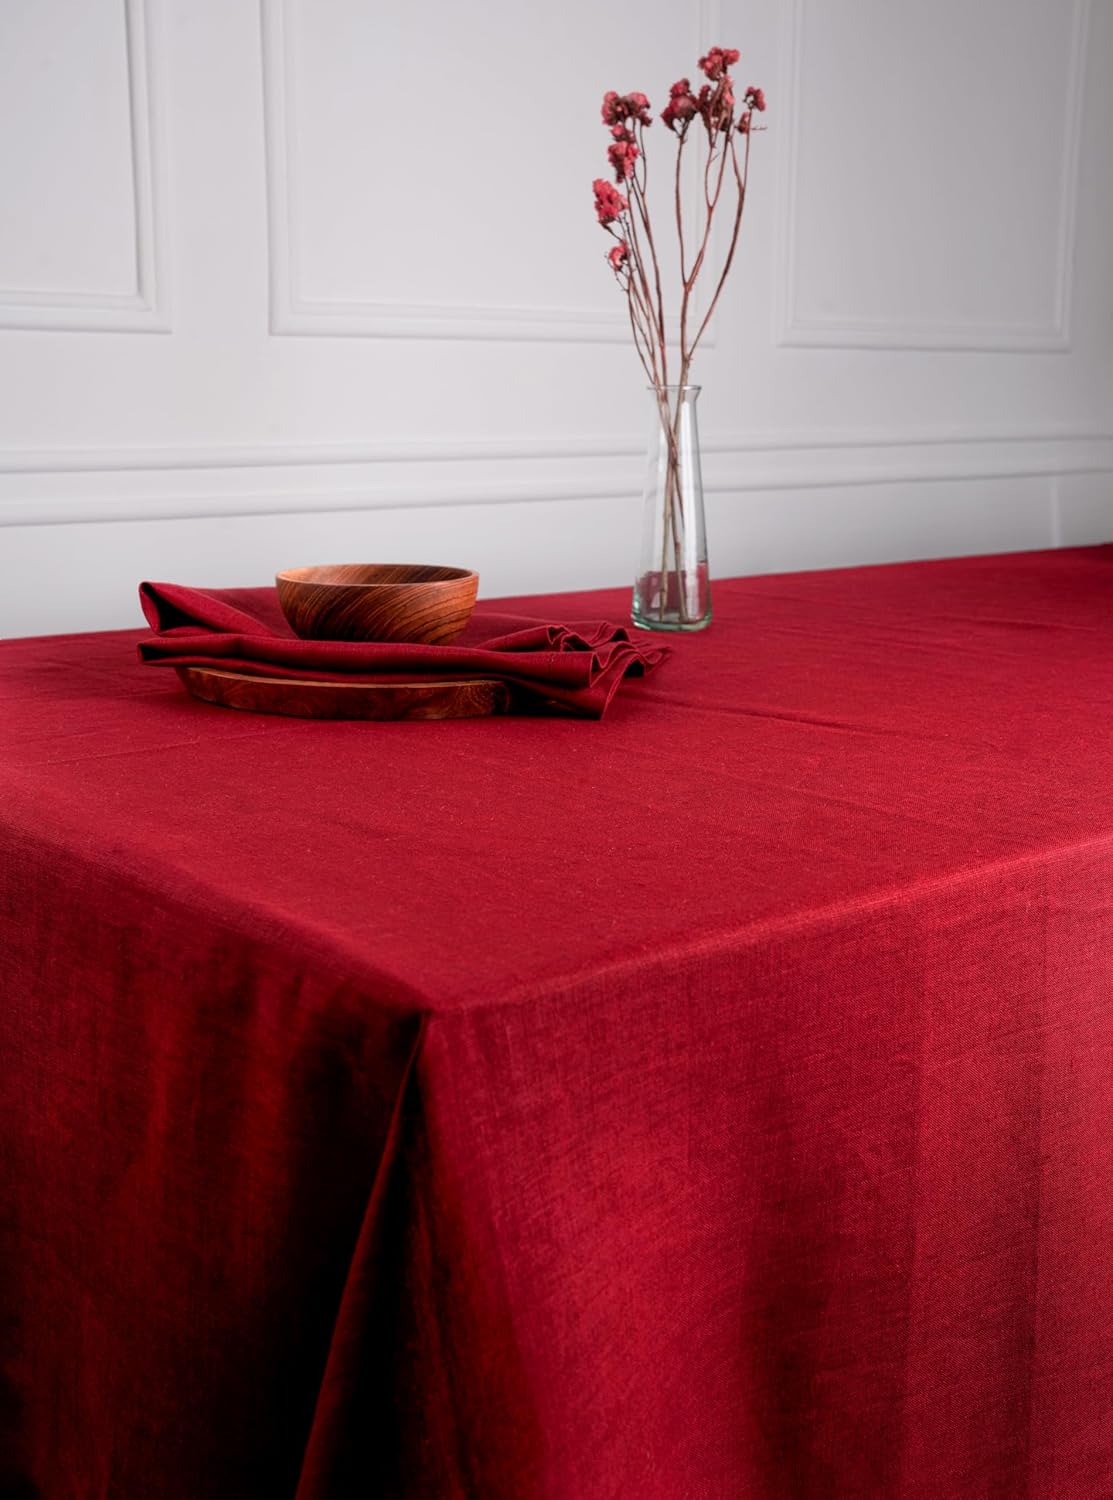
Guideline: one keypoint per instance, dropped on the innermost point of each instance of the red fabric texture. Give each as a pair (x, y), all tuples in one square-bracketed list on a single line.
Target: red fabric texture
[(574, 668), (711, 1102)]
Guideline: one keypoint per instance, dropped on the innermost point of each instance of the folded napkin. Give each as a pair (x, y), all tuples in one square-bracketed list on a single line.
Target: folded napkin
[(574, 667)]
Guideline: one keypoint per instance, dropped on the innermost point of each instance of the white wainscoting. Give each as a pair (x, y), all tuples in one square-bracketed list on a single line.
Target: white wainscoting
[(82, 168), (355, 238), (906, 363), (942, 234)]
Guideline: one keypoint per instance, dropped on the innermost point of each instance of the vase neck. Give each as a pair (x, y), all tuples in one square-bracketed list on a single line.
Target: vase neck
[(674, 398)]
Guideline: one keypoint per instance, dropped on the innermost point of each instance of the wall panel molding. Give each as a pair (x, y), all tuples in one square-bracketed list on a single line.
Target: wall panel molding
[(57, 489), (293, 312), (146, 309), (849, 332), (130, 459)]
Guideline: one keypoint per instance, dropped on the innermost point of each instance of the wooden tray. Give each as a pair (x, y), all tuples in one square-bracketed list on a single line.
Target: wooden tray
[(347, 700)]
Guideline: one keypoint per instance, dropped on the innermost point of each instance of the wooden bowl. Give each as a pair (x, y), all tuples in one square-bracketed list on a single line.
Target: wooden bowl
[(378, 602)]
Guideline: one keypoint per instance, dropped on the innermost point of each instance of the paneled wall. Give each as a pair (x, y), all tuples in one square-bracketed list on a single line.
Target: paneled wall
[(310, 280)]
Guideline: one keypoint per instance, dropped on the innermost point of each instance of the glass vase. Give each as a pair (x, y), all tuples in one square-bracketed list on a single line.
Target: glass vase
[(672, 590)]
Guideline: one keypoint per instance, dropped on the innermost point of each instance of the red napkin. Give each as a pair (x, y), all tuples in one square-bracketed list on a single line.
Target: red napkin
[(574, 668)]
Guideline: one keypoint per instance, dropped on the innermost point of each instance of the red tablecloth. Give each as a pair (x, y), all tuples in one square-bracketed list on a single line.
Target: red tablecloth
[(711, 1102)]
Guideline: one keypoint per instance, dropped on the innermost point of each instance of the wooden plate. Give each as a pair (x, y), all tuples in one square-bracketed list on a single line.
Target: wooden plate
[(347, 700)]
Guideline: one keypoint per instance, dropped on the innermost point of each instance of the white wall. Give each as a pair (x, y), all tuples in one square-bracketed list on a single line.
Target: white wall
[(319, 279)]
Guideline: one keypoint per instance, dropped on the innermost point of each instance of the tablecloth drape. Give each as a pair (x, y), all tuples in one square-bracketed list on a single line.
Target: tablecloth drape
[(715, 1101)]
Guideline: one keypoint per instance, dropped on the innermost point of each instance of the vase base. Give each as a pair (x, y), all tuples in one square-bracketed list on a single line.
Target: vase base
[(671, 623)]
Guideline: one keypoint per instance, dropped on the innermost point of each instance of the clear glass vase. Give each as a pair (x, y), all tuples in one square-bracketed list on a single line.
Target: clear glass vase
[(672, 590)]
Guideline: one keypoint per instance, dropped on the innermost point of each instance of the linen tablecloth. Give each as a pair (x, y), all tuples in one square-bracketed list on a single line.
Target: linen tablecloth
[(715, 1101)]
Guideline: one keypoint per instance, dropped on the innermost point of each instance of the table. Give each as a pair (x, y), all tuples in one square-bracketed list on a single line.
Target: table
[(712, 1101)]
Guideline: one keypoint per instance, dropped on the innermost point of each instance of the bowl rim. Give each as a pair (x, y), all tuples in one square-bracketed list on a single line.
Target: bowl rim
[(456, 576)]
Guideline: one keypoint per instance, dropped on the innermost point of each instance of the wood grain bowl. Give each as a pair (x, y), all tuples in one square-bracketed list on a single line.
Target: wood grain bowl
[(418, 602)]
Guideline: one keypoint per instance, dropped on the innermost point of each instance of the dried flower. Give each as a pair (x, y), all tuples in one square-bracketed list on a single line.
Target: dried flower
[(640, 109), (622, 155), (716, 106), (622, 208), (609, 202), (682, 104), (618, 108), (717, 61), (633, 254)]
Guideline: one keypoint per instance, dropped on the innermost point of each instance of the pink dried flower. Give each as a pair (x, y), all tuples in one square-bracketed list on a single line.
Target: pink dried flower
[(620, 205), (718, 60), (609, 202), (682, 104), (622, 155), (618, 108), (639, 109), (716, 106)]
